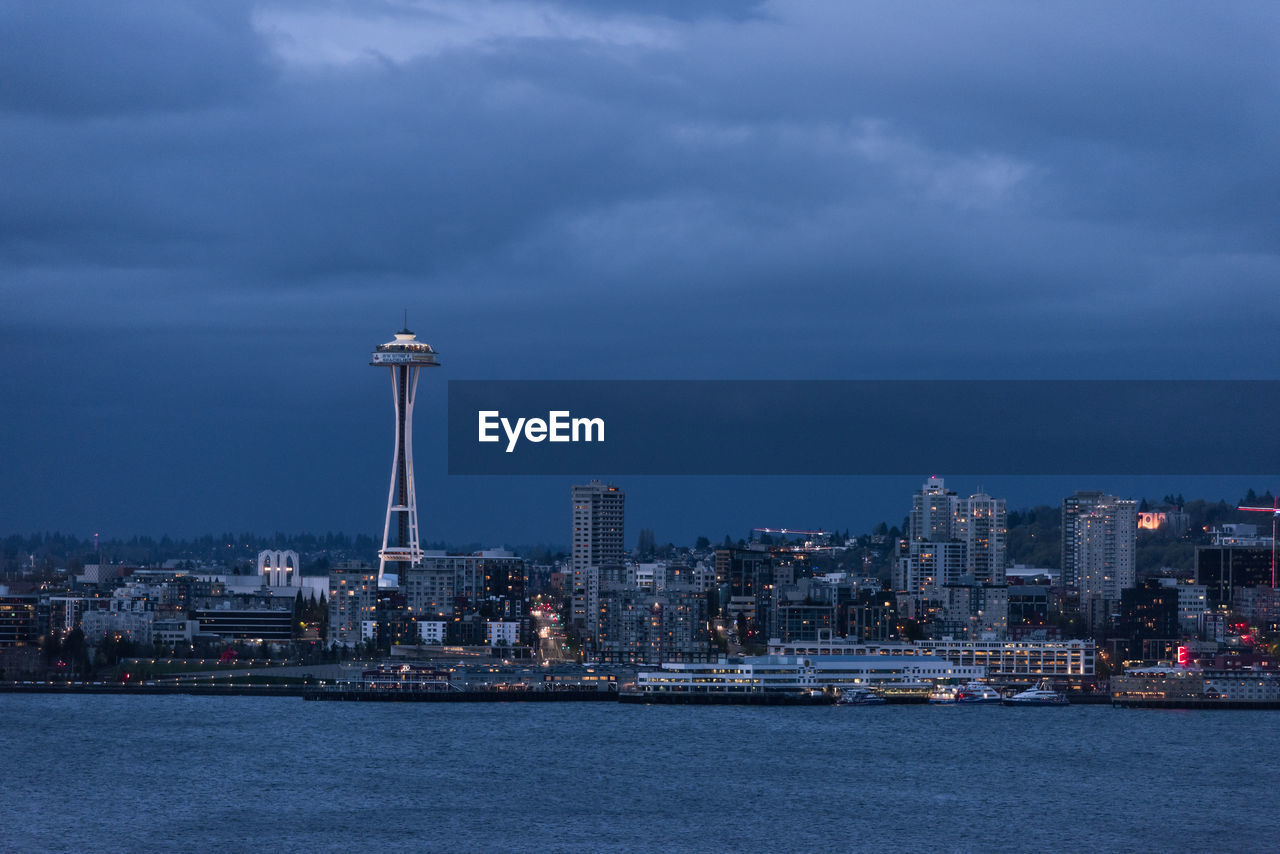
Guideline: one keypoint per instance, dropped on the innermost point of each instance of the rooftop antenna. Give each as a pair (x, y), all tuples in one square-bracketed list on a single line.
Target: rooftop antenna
[(406, 318)]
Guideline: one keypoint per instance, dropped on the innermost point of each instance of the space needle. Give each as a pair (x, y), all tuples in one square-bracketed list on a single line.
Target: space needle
[(402, 549)]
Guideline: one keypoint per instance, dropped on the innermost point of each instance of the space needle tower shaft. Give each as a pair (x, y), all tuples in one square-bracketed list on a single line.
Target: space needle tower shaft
[(401, 547)]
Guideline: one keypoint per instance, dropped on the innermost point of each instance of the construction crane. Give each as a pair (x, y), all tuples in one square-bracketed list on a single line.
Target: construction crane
[(808, 536)]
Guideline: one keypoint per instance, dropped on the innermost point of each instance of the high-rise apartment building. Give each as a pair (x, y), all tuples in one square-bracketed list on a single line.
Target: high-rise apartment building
[(1099, 543), (597, 541), (951, 567), (982, 524), (933, 511), (927, 566), (1081, 505), (353, 603)]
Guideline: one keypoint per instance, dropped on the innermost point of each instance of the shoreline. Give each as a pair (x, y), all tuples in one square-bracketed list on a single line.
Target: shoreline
[(335, 694)]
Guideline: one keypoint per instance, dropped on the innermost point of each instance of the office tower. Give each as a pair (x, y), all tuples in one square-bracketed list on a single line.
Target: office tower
[(404, 356), (597, 514), (1227, 568)]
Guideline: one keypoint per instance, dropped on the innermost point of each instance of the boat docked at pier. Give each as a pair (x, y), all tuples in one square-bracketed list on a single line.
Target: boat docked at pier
[(1038, 695), (859, 697), (972, 693)]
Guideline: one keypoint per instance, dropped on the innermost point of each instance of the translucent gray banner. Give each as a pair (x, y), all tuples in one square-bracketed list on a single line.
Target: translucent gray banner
[(714, 427)]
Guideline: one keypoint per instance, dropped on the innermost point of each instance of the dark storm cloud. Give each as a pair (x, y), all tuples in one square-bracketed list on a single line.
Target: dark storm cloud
[(724, 190), (75, 59)]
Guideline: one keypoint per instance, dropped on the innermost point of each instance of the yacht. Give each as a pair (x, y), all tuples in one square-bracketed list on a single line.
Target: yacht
[(859, 697), (1040, 695), (972, 693)]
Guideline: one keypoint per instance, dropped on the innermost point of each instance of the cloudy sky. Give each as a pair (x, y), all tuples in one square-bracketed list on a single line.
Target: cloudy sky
[(211, 212)]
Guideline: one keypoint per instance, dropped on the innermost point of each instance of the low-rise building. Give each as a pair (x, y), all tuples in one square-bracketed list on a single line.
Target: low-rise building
[(505, 633), (118, 624), (636, 626), (431, 632), (18, 615), (997, 658), (799, 673), (264, 622)]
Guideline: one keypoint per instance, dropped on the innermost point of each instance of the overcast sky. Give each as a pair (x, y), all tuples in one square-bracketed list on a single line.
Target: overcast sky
[(212, 212)]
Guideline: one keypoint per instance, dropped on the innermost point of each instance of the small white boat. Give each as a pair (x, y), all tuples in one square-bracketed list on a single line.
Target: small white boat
[(859, 697), (970, 694), (1040, 695)]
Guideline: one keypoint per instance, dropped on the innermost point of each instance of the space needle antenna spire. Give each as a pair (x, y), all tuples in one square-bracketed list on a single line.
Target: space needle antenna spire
[(404, 356)]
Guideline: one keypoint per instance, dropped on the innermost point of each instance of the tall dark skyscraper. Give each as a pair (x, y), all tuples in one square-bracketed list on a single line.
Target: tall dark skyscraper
[(598, 511), (404, 356)]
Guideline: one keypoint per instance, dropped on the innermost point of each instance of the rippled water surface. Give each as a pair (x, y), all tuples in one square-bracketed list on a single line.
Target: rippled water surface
[(210, 774)]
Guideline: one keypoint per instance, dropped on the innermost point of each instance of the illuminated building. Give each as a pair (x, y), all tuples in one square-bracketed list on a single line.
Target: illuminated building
[(279, 568), (930, 566), (640, 627), (997, 658), (65, 613), (1193, 601), (764, 674), (1018, 658), (405, 677), (1148, 613), (1162, 686), (431, 631), (267, 622), (933, 512), (1029, 605), (17, 619), (976, 610), (982, 524), (743, 571), (1099, 548), (117, 623), (1081, 515), (1259, 606), (504, 633), (1223, 569), (1175, 522), (404, 357), (597, 540), (440, 581), (952, 565), (353, 603)]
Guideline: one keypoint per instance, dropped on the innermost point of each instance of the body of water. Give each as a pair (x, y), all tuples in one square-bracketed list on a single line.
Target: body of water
[(212, 774)]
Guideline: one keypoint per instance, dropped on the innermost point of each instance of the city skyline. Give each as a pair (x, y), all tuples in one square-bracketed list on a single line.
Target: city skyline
[(814, 368)]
